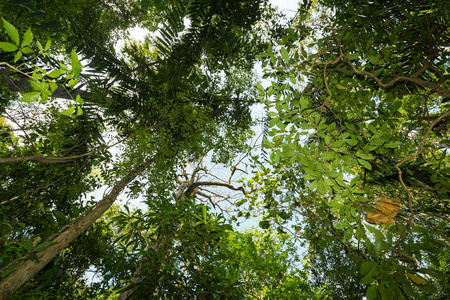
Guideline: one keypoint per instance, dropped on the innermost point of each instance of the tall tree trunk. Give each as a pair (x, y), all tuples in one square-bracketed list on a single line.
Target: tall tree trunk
[(25, 269)]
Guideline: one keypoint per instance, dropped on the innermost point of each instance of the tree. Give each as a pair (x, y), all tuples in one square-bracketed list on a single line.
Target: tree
[(159, 108), (357, 135)]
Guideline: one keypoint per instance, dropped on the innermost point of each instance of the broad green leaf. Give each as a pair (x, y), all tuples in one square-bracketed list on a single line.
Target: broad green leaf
[(76, 66), (55, 73), (382, 291), (365, 164), (69, 111), (264, 224), (53, 86), (267, 144), (328, 155), (340, 225), (59, 215), (8, 47), (304, 103), (416, 279), (396, 106), (285, 55), (371, 293), (353, 56), (48, 44), (352, 142), (79, 111), (260, 89), (364, 155), (12, 32), (367, 266), (393, 144), (17, 56), (321, 187), (27, 37), (27, 243), (27, 50), (377, 233), (435, 273), (30, 97)]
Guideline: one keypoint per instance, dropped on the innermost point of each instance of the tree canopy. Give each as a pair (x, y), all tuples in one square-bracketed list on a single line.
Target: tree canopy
[(350, 186)]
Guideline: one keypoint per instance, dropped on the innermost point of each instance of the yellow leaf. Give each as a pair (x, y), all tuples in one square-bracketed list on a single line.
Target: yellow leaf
[(340, 87), (416, 279), (36, 241), (387, 209)]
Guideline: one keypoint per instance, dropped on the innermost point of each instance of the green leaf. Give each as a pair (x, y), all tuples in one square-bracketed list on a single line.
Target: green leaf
[(76, 66), (328, 155), (353, 56), (396, 106), (260, 89), (416, 279), (435, 273), (285, 55), (27, 37), (43, 246), (304, 103), (55, 73), (371, 292), (393, 144), (17, 56), (382, 291), (267, 144), (59, 215), (365, 164), (27, 243), (352, 142), (48, 44), (27, 50), (8, 47), (364, 155), (30, 97), (53, 86), (264, 224), (79, 111), (69, 111), (12, 32), (367, 266), (340, 225), (79, 99)]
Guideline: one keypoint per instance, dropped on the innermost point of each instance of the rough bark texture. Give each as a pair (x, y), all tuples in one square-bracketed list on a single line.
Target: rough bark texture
[(25, 269)]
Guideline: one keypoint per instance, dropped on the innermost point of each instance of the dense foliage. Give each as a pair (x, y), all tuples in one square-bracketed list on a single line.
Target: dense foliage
[(351, 191), (358, 132)]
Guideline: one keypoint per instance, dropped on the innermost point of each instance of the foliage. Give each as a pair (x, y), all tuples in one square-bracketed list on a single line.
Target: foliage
[(153, 97), (370, 123)]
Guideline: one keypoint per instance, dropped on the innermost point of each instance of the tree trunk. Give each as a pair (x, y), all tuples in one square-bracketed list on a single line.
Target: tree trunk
[(25, 269)]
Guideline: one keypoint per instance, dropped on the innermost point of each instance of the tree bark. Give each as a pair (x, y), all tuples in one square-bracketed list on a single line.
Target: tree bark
[(25, 269)]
